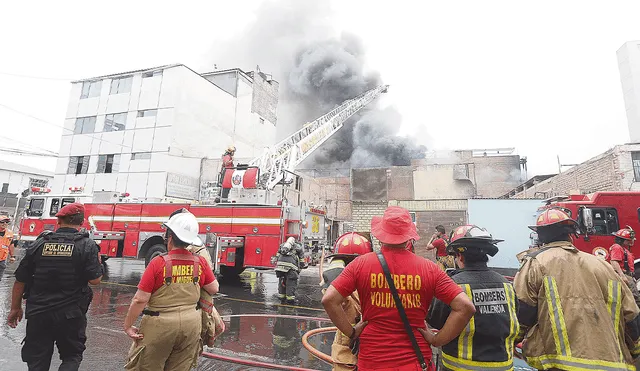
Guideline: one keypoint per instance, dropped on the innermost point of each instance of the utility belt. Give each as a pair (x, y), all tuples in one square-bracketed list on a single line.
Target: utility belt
[(155, 313)]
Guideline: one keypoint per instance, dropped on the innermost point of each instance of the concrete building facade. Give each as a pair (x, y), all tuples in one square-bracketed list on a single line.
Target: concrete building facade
[(15, 179), (629, 67), (146, 132)]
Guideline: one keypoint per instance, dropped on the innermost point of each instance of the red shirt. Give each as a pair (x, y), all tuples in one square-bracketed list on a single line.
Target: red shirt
[(441, 245), (616, 252), (153, 277), (384, 342), (227, 161)]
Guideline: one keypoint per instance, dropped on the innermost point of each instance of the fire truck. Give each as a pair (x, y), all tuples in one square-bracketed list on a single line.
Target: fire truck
[(599, 215), (244, 232)]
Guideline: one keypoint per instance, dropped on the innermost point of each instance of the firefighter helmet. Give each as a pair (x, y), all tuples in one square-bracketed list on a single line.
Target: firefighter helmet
[(231, 149), (470, 236), (553, 217), (351, 245), (626, 234), (185, 226)]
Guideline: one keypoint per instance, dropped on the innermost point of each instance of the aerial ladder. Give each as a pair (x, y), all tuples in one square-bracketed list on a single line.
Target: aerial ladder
[(278, 162)]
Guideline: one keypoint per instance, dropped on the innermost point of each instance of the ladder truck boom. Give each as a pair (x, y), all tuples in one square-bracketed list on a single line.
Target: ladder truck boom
[(288, 153)]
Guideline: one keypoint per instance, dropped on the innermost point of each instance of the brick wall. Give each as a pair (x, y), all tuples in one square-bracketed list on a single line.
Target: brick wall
[(363, 212), (336, 196), (496, 175), (265, 97)]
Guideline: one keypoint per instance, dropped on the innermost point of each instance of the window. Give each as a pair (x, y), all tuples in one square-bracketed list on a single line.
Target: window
[(635, 159), (55, 206), (90, 89), (152, 74), (33, 182), (36, 205), (78, 165), (605, 221), (85, 125), (141, 156), (108, 164), (67, 201), (148, 113), (5, 188), (121, 85), (115, 122)]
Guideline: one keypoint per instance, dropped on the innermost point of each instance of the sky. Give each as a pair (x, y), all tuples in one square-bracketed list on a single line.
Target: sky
[(538, 76)]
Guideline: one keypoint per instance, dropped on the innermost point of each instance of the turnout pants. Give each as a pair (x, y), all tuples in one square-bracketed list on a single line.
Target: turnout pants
[(287, 285), (65, 328), (343, 359), (171, 342), (631, 282)]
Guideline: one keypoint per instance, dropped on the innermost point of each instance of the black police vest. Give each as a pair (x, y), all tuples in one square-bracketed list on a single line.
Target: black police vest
[(58, 280), (487, 341)]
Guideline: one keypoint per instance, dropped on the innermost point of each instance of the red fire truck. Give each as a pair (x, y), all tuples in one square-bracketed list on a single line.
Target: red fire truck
[(244, 232), (599, 215)]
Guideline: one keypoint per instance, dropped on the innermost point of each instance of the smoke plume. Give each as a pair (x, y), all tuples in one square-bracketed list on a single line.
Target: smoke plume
[(317, 70)]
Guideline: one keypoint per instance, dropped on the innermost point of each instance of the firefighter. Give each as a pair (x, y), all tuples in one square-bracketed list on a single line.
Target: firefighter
[(288, 265), (212, 324), (57, 269), (285, 337), (439, 243), (573, 307), (487, 343), (347, 247), (169, 337), (622, 259), (227, 163), (7, 244)]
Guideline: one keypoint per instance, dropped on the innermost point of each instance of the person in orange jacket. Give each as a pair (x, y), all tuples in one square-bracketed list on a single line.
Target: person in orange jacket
[(7, 244)]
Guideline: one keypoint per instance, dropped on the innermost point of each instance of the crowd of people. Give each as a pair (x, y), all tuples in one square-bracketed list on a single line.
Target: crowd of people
[(571, 310)]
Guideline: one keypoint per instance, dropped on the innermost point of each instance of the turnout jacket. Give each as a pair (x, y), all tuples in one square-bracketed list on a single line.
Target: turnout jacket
[(487, 341), (577, 310), (289, 257)]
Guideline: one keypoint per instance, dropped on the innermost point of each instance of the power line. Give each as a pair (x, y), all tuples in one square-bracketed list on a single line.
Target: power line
[(14, 141), (59, 126), (27, 153), (34, 77)]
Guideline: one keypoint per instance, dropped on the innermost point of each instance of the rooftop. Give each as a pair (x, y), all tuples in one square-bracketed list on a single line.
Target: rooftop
[(528, 184), (10, 166)]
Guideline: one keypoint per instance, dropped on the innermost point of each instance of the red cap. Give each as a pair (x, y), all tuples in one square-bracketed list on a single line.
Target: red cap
[(394, 227), (71, 209)]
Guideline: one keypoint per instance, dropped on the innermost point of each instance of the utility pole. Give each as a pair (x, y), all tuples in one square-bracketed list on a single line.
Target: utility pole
[(560, 166)]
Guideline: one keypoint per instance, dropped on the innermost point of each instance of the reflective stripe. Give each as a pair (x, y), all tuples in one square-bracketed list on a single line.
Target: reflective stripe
[(556, 315), (576, 364), (465, 340), (514, 326), (613, 306), (456, 364), (636, 349), (287, 265)]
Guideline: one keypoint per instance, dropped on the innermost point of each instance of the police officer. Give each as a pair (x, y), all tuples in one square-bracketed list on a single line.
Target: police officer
[(7, 244), (348, 247), (573, 307), (169, 337), (288, 265), (487, 343), (57, 268), (622, 259)]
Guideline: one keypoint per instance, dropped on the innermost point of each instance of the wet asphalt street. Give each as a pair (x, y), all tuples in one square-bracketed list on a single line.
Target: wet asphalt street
[(264, 339)]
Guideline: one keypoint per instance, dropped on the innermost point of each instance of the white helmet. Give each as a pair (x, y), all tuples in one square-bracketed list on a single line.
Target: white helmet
[(185, 226)]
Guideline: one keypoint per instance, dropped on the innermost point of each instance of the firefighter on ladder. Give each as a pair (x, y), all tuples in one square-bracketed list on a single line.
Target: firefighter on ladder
[(227, 163), (288, 265), (622, 259), (491, 332), (574, 309), (348, 247), (7, 244), (169, 337)]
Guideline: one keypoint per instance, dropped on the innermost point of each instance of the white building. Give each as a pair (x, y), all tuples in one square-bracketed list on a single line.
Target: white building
[(629, 66), (147, 132), (15, 178)]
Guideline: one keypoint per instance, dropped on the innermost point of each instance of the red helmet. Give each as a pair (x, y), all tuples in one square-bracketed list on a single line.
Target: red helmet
[(626, 234), (472, 236), (351, 244), (553, 217)]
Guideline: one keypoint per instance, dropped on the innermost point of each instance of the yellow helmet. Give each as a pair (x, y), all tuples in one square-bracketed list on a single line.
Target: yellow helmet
[(231, 149)]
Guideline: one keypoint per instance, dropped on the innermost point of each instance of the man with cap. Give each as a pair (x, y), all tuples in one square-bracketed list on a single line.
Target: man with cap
[(169, 337), (57, 269), (574, 309), (622, 259), (487, 342), (7, 244), (383, 342)]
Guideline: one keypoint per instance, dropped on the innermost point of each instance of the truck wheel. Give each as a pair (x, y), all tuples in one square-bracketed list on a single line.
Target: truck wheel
[(230, 272), (154, 251)]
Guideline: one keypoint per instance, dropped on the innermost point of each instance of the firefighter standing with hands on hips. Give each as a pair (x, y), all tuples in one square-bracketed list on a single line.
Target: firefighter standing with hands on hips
[(169, 337), (56, 270), (573, 307), (622, 259), (439, 243), (348, 247), (487, 342), (288, 265), (7, 244), (385, 342)]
